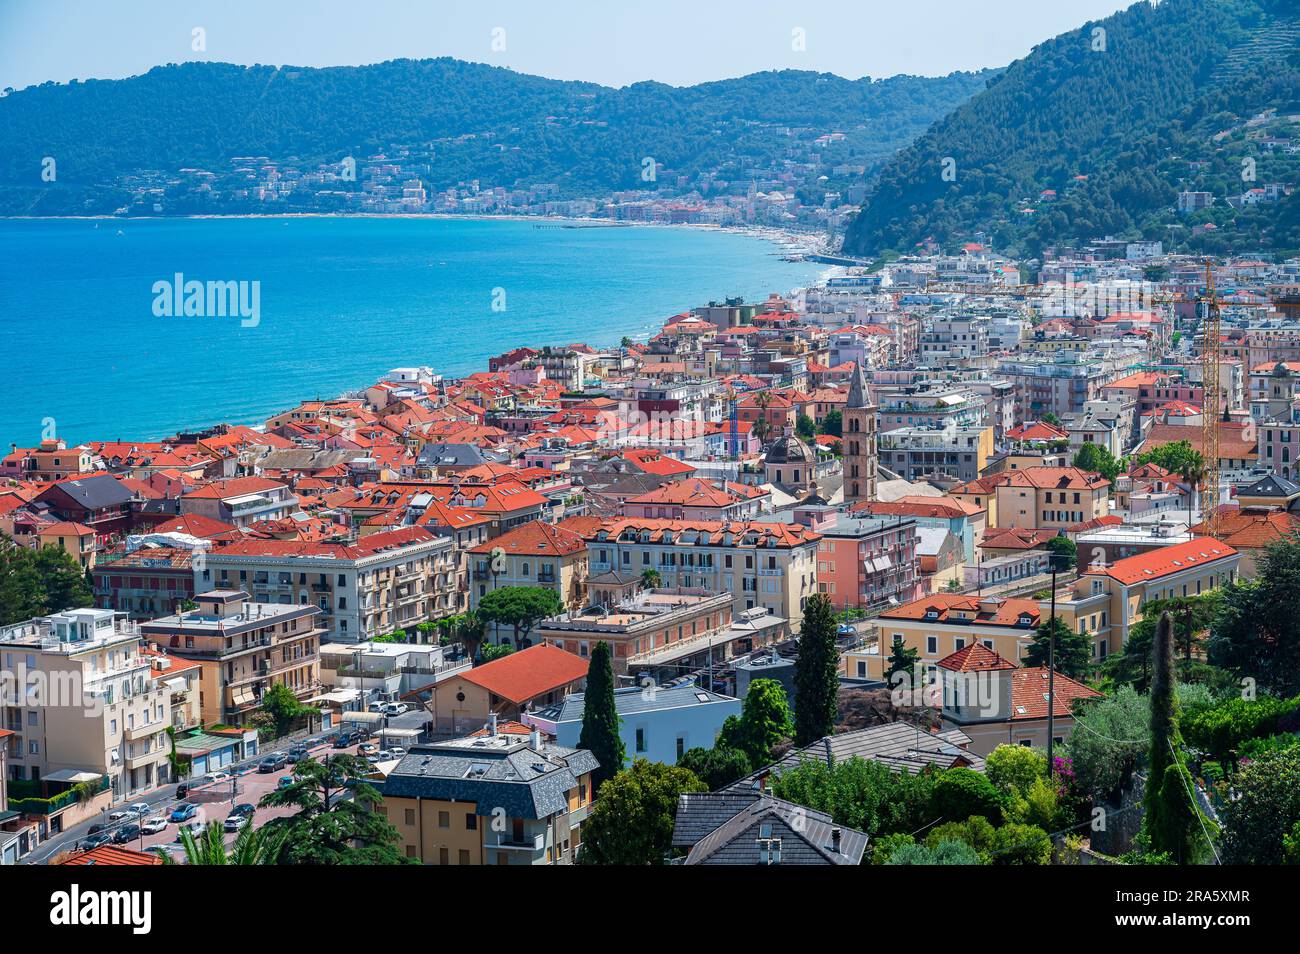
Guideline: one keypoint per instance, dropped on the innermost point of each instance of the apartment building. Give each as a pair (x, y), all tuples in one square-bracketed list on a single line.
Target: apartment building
[(759, 563), (956, 338), (392, 580), (243, 648), (1107, 599), (491, 799), (869, 562), (535, 554), (947, 451), (80, 699), (657, 631), (1049, 497), (241, 500), (144, 583)]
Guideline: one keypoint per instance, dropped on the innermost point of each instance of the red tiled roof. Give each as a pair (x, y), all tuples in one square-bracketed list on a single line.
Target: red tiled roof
[(1005, 612), (196, 525), (1037, 431), (529, 673), (1166, 560), (1029, 694), (1057, 478), (235, 487), (113, 855), (974, 657), (1252, 527), (537, 538)]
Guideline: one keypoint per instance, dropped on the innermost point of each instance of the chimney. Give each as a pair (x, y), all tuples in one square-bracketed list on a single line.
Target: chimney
[(830, 758), (535, 739), (835, 839), (492, 723)]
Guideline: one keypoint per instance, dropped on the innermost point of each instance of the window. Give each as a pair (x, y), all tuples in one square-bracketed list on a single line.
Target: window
[(471, 821), (640, 740), (931, 645), (410, 816), (444, 819)]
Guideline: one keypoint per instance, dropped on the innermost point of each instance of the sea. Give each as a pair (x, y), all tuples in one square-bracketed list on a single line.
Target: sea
[(137, 329)]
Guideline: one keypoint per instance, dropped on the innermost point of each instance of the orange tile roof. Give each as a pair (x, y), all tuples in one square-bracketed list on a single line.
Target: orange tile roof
[(113, 855), (1057, 478), (783, 534), (1037, 431), (1165, 561), (1015, 538), (949, 508), (1006, 612), (1029, 694), (529, 673), (1252, 527), (235, 487), (537, 538), (974, 657), (692, 492)]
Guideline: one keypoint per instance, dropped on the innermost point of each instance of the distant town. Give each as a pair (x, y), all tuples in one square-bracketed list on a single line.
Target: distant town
[(966, 494)]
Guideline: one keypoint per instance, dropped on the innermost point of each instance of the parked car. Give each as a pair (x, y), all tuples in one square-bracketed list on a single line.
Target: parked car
[(846, 629), (120, 815), (195, 828), (397, 752), (376, 706), (297, 753), (139, 809), (128, 832), (217, 777), (182, 789), (98, 828), (244, 808), (367, 748), (94, 841), (236, 822), (285, 781), (344, 739), (396, 708), (153, 826), (272, 762), (184, 812)]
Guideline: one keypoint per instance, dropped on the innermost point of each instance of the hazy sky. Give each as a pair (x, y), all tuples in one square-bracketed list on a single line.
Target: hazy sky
[(615, 43)]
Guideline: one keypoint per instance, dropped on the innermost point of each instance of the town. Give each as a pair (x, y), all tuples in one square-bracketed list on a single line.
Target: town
[(950, 559)]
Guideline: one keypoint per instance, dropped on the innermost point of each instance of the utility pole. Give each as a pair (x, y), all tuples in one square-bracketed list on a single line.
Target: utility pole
[(1051, 670)]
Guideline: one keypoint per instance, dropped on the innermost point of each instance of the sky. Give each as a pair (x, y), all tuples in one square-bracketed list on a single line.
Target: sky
[(613, 42)]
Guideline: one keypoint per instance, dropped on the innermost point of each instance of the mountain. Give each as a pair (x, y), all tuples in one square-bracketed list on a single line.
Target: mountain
[(1116, 118), (478, 122)]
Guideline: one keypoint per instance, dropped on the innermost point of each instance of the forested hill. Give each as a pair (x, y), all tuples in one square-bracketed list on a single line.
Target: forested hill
[(486, 123), (1114, 118)]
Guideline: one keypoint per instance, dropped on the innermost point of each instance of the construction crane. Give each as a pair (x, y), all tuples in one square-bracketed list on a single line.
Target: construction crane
[(1211, 355)]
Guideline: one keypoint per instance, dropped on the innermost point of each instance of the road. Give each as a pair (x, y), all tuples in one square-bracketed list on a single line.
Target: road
[(214, 803)]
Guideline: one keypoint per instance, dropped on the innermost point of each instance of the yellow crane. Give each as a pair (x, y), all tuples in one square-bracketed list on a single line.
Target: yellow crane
[(1211, 356)]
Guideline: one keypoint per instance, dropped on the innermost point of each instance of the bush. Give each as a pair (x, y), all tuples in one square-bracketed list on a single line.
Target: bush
[(885, 848), (962, 792), (1222, 729), (1265, 807), (946, 853), (717, 767), (1021, 845), (1013, 768)]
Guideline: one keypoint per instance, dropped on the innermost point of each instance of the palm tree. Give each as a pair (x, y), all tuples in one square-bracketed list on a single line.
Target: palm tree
[(253, 846), (650, 578), (1193, 471)]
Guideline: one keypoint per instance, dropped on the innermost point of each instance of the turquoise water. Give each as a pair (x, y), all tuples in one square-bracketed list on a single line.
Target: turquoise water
[(340, 301)]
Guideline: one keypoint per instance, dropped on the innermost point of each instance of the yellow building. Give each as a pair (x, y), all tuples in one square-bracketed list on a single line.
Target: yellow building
[(493, 798)]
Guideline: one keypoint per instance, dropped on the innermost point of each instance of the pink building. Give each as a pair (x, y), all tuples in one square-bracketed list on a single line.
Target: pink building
[(865, 562)]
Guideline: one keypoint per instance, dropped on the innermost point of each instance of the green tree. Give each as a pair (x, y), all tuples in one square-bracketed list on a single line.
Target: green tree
[(804, 427), (632, 820), (717, 767), (490, 651), (961, 792), (39, 582), (600, 721), (283, 708), (764, 722), (520, 607), (1073, 650), (1170, 814), (832, 423), (945, 853), (651, 578), (1265, 809), (1014, 768), (253, 846), (902, 658), (1256, 633), (860, 794), (1098, 460), (816, 672), (1066, 551), (1110, 738)]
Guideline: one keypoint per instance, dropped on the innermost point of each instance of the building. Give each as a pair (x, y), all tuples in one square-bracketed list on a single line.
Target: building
[(386, 581), (696, 499), (658, 723), (1050, 497), (858, 440), (1107, 598), (144, 583), (507, 687), (948, 452), (754, 828), (658, 630), (241, 500), (244, 648), (995, 702), (88, 705), (73, 538), (534, 554), (866, 562), (760, 563), (490, 799)]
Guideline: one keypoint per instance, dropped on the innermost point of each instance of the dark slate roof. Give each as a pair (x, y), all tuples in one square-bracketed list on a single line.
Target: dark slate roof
[(1270, 486), (806, 837), (493, 772), (901, 746), (634, 699), (93, 493), (451, 455), (699, 813)]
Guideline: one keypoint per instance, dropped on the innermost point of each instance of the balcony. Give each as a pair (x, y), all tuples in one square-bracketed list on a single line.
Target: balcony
[(135, 733), (528, 843)]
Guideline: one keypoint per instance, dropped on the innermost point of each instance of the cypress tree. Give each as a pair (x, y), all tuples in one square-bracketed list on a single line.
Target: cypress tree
[(600, 717), (816, 672), (1170, 814)]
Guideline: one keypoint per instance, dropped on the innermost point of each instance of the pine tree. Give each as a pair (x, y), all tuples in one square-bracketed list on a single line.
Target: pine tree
[(600, 720), (1073, 650), (902, 658), (816, 672)]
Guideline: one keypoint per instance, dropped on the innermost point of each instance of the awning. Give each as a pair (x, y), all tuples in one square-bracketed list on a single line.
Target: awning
[(362, 718), (74, 776), (243, 697), (176, 684)]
